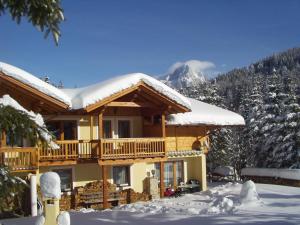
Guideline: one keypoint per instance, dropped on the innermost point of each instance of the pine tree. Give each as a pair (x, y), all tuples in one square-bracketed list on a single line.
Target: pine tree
[(19, 125), (268, 122), (286, 153), (11, 192)]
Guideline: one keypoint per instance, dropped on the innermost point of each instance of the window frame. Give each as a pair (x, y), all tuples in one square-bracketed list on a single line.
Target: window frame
[(72, 177), (128, 171)]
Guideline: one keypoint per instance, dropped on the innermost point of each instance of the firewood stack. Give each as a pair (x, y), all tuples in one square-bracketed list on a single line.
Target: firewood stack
[(130, 196), (65, 202), (92, 193)]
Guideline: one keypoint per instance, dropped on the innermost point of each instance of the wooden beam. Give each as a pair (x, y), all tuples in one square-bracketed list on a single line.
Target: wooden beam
[(3, 139), (162, 184), (130, 161), (163, 125), (104, 187), (62, 130), (91, 127), (100, 125), (174, 175), (131, 104)]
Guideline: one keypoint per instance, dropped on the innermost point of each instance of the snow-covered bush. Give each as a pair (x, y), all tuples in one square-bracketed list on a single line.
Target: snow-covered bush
[(18, 123), (12, 191)]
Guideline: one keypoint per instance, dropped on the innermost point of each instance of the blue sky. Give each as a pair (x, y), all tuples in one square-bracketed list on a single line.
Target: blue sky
[(101, 39)]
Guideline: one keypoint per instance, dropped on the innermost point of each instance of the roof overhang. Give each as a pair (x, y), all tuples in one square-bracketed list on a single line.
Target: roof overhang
[(170, 105), (16, 85)]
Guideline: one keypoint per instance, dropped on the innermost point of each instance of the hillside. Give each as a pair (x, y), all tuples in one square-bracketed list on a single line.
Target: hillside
[(233, 84)]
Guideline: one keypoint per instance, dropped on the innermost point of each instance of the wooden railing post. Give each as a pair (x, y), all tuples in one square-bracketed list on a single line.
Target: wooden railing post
[(134, 149), (104, 187), (162, 184), (67, 150)]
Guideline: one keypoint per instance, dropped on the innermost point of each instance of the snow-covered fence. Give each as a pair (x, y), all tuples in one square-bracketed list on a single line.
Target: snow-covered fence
[(272, 175)]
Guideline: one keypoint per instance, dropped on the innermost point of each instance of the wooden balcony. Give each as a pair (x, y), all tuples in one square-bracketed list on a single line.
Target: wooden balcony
[(103, 151), (19, 159)]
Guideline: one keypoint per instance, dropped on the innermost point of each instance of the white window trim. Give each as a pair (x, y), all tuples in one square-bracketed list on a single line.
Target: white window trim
[(122, 186)]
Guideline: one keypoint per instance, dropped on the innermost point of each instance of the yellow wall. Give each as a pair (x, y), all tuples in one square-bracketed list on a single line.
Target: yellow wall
[(139, 171), (194, 168)]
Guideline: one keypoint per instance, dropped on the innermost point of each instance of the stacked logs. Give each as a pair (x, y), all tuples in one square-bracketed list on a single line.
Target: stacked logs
[(91, 193), (130, 196), (66, 202)]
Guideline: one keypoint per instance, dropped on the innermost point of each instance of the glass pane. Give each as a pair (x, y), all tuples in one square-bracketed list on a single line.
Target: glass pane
[(70, 130), (107, 129), (53, 127), (179, 172), (157, 171), (168, 174), (65, 178), (121, 175), (124, 128)]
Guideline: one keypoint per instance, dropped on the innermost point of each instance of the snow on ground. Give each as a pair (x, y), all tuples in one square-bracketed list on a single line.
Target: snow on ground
[(277, 205)]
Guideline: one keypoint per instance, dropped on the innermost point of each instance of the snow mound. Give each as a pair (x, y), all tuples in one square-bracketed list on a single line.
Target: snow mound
[(203, 113), (248, 193), (50, 185), (217, 200), (86, 210), (221, 205), (63, 218), (224, 170), (34, 82), (6, 100), (292, 174), (40, 220)]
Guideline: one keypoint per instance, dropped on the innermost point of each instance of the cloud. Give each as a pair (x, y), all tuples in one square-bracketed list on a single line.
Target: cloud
[(205, 67)]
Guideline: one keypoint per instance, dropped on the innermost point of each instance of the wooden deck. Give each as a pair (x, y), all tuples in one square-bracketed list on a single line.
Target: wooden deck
[(103, 151)]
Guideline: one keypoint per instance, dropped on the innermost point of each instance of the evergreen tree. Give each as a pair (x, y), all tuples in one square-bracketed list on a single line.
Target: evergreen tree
[(43, 14), (11, 192)]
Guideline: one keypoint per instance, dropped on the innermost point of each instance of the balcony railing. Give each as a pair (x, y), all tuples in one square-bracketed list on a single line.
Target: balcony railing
[(19, 159), (132, 148)]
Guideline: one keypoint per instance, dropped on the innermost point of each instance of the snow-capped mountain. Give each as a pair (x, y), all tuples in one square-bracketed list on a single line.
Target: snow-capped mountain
[(182, 77)]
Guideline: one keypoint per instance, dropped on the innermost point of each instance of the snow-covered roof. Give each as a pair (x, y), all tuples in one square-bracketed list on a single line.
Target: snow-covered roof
[(34, 82), (77, 98), (83, 97), (203, 113)]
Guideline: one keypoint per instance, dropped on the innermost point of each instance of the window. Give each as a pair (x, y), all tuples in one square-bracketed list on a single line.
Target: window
[(65, 179), (179, 172), (70, 130), (67, 129), (107, 132), (124, 128), (121, 175), (172, 176), (169, 174)]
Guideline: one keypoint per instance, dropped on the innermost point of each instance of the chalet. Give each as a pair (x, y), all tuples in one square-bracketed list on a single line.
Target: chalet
[(121, 130)]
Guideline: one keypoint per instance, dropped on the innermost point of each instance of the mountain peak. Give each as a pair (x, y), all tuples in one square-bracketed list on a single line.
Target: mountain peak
[(183, 76)]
